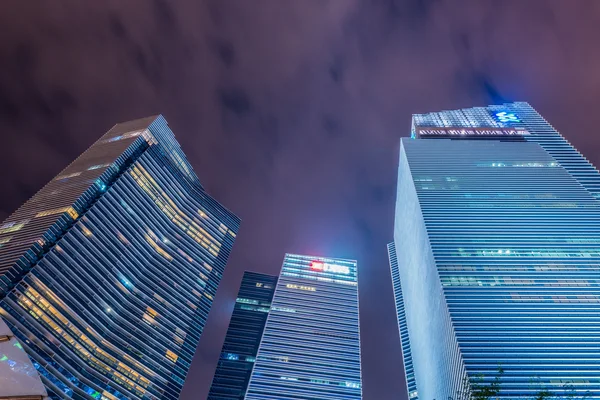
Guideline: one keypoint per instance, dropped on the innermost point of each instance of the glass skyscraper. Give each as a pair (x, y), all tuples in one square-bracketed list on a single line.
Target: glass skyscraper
[(411, 384), (310, 347), (498, 254), (108, 273), (243, 336)]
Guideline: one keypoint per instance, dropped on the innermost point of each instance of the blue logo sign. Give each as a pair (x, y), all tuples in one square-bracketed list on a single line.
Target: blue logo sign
[(505, 116)]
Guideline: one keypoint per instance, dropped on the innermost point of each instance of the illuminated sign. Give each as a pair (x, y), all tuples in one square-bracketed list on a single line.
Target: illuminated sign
[(469, 132), (505, 116), (301, 287), (321, 266)]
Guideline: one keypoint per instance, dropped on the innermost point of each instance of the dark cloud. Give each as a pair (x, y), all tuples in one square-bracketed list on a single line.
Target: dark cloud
[(164, 14), (235, 100), (63, 101), (290, 112), (224, 50), (10, 112), (269, 136), (25, 57), (117, 27), (490, 91), (330, 125), (148, 64), (415, 10), (336, 70)]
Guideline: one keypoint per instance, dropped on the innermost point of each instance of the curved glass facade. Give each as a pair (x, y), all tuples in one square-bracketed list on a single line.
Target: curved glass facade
[(109, 271), (243, 336), (499, 257), (310, 347)]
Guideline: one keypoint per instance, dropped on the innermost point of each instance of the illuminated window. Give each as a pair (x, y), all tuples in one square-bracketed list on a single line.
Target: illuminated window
[(246, 301), (122, 238), (230, 356), (208, 267), (67, 176), (123, 136), (71, 211), (152, 312), (171, 356), (13, 226), (147, 318), (254, 308), (181, 332), (301, 287), (86, 231), (191, 305), (93, 167), (184, 255), (156, 247), (284, 309), (61, 210), (189, 225)]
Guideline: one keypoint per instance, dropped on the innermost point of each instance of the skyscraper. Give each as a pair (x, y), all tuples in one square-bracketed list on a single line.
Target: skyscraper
[(310, 347), (108, 273), (498, 254), (411, 384), (243, 336)]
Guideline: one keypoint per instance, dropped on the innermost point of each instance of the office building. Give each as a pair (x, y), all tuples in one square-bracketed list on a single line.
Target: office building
[(243, 336), (108, 273), (498, 254), (411, 384), (310, 347)]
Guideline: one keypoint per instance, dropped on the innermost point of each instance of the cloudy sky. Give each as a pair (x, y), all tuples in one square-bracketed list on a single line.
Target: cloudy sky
[(290, 112)]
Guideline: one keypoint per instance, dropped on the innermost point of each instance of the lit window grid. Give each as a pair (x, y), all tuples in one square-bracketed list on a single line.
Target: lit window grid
[(471, 226), (124, 309), (298, 354)]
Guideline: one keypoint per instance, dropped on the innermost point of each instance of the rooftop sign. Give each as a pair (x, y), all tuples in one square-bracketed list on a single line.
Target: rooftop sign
[(506, 117), (423, 131), (325, 267)]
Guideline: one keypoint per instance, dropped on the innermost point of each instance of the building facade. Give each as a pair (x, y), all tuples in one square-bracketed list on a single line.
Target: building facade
[(108, 273), (246, 326), (498, 254), (310, 347), (411, 383)]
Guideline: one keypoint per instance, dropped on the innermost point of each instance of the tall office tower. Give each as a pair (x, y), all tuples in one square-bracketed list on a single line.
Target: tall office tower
[(243, 337), (310, 347), (409, 372), (498, 254), (108, 273)]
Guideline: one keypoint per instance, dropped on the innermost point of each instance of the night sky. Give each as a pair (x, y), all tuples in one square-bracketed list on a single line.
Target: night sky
[(290, 112)]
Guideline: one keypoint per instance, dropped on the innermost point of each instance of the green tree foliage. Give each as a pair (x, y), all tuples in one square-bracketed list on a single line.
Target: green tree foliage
[(480, 388)]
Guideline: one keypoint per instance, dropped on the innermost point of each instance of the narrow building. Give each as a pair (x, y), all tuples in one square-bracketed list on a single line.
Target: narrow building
[(310, 348)]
